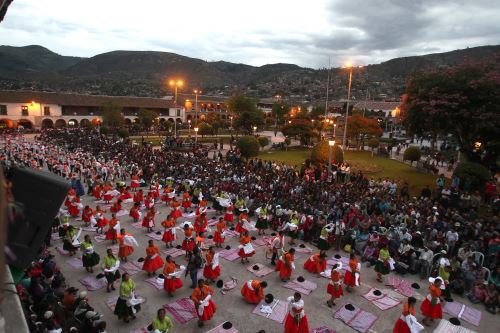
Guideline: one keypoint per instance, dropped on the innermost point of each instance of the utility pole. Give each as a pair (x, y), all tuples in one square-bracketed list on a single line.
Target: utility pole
[(327, 88)]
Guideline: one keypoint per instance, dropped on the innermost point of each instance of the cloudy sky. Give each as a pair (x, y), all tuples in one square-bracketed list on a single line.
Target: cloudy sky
[(256, 32)]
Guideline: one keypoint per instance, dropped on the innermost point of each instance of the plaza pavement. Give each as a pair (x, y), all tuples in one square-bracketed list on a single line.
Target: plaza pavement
[(232, 307)]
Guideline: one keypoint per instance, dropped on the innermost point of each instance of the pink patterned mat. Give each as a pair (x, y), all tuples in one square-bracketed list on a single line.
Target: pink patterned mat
[(464, 312), (174, 252), (357, 319), (279, 307), (154, 236), (262, 271), (153, 281), (219, 329), (383, 302), (182, 310), (89, 229), (75, 262), (137, 225), (231, 254), (232, 233), (323, 329), (100, 238), (130, 268), (61, 251), (305, 287), (299, 249), (266, 240), (401, 286), (344, 260), (92, 284), (111, 303), (446, 327), (55, 236), (140, 330)]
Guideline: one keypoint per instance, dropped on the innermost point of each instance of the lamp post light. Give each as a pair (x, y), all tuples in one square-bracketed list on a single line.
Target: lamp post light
[(350, 67), (196, 93), (196, 136), (254, 130), (176, 84), (189, 126), (334, 130), (331, 143)]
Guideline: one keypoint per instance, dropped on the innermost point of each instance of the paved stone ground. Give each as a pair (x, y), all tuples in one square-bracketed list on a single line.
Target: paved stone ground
[(232, 306)]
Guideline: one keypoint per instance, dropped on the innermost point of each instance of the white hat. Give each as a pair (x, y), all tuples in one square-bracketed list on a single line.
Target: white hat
[(48, 314), (443, 251), (82, 294)]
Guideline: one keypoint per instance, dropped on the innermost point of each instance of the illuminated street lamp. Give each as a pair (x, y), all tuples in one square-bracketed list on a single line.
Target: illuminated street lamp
[(334, 130), (254, 130), (176, 84), (196, 93), (196, 136), (350, 67), (331, 143), (189, 126)]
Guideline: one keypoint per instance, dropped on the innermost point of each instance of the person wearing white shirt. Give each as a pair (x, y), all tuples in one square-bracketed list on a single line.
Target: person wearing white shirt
[(425, 260)]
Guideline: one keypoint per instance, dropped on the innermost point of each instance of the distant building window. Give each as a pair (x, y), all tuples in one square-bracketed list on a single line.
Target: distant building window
[(24, 110), (46, 110), (178, 112), (3, 110)]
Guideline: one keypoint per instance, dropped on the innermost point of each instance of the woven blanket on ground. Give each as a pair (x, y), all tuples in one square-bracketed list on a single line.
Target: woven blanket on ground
[(229, 285), (92, 284), (383, 302), (401, 286), (220, 329), (89, 229), (154, 236), (344, 260), (232, 233), (446, 327), (279, 307), (323, 329), (212, 222), (266, 240), (61, 251), (154, 282), (111, 303), (182, 310), (55, 236), (262, 271), (174, 252), (140, 330), (100, 238), (122, 212), (305, 287), (464, 312), (357, 319), (299, 249), (75, 262), (130, 268), (231, 254), (137, 225)]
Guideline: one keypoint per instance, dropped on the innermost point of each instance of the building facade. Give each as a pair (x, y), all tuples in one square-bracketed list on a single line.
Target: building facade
[(31, 109)]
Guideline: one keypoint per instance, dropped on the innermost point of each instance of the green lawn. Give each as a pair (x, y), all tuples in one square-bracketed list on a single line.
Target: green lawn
[(376, 167)]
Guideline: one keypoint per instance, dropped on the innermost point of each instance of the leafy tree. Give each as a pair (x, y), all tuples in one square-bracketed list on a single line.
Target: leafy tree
[(359, 126), (279, 111), (263, 141), (104, 130), (246, 113), (248, 145), (147, 118), (373, 143), (205, 129), (473, 176), (112, 115), (321, 153), (412, 154), (462, 101), (301, 128), (318, 112)]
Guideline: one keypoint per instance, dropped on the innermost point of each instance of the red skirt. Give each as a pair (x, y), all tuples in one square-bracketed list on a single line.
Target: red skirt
[(73, 211), (134, 214), (96, 194), (147, 223), (199, 229), (168, 237), (186, 204), (242, 254), (111, 234), (108, 197), (428, 310), (171, 285), (176, 213), (210, 273), (188, 244), (102, 223), (401, 327), (229, 217), (165, 198), (239, 229), (208, 311), (152, 265), (311, 267), (250, 295), (218, 238), (135, 184), (125, 251), (291, 325), (284, 271), (335, 293), (349, 279)]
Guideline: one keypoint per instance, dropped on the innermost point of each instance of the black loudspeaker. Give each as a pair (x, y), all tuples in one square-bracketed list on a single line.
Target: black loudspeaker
[(37, 197)]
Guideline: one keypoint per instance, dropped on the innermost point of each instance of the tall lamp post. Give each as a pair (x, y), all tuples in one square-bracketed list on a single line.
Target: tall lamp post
[(196, 136), (176, 85), (331, 143), (189, 126), (350, 67), (334, 130), (278, 98), (196, 93)]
